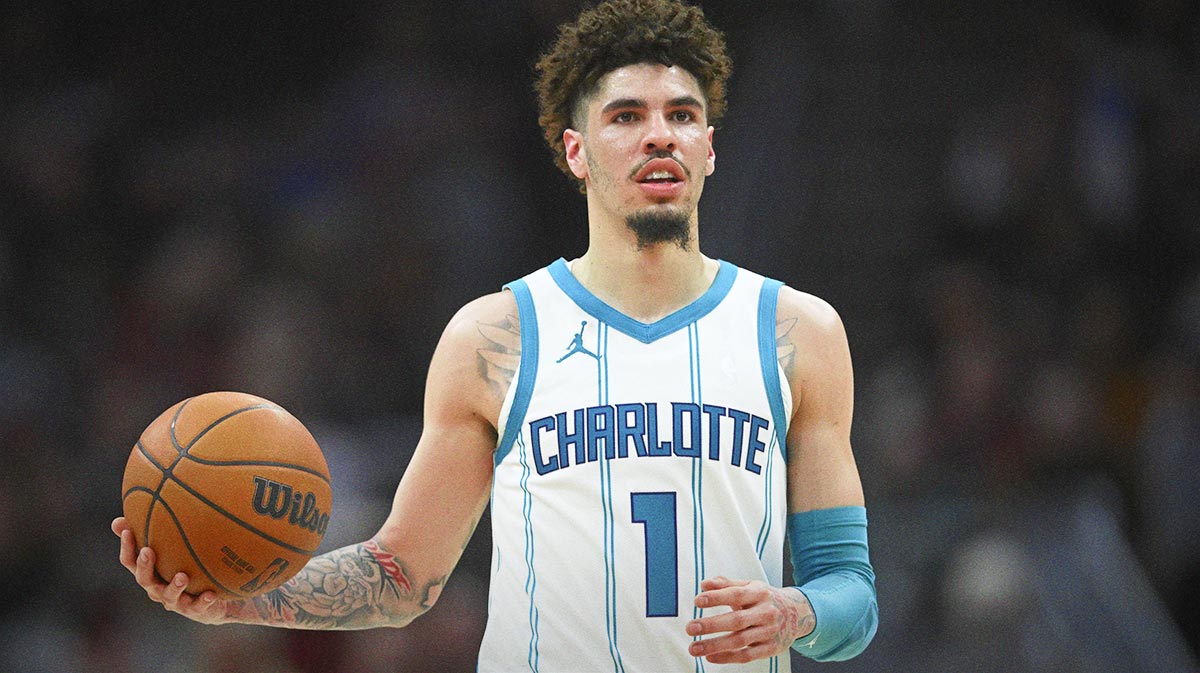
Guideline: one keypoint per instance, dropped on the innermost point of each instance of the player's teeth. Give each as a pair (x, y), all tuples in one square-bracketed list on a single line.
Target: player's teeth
[(660, 175)]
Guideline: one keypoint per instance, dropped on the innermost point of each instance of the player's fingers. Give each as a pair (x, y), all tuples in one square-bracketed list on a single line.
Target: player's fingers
[(741, 656), (128, 554), (725, 622), (731, 643), (172, 592), (144, 572), (119, 524), (736, 596), (720, 582), (206, 602), (204, 608)]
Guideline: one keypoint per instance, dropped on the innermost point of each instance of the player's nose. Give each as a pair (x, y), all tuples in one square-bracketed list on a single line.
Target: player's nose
[(660, 135)]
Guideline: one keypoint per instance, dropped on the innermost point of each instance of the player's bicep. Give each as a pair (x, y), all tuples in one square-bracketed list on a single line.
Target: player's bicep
[(448, 482), (821, 468)]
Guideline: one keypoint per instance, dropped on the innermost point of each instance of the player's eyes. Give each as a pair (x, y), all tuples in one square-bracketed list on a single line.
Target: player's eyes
[(678, 116)]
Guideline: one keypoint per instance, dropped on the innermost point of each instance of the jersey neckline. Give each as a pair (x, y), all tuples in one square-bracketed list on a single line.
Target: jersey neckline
[(644, 332)]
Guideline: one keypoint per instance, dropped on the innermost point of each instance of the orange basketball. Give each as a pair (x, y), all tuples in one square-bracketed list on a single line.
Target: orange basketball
[(230, 489)]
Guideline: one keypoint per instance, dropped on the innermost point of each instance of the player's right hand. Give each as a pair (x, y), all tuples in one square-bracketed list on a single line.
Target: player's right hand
[(205, 608)]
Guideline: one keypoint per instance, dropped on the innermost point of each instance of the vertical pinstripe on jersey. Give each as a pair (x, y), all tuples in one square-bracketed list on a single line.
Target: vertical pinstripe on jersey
[(768, 302), (531, 574), (764, 531), (610, 559), (697, 480)]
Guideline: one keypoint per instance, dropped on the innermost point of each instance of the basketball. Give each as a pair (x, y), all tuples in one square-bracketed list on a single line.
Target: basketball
[(229, 488)]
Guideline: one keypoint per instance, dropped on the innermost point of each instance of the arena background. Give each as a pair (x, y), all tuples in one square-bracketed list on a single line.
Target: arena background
[(1002, 199)]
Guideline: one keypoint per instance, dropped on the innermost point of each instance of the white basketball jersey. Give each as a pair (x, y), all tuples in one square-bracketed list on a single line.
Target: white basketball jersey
[(634, 460)]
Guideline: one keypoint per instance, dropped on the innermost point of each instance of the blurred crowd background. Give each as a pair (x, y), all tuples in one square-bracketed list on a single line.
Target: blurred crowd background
[(1002, 199)]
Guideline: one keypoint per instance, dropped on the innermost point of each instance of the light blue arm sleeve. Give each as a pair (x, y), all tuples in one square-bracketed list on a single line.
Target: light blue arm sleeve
[(832, 568)]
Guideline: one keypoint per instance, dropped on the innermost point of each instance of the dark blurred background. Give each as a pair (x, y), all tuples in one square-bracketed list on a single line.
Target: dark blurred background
[(1002, 199)]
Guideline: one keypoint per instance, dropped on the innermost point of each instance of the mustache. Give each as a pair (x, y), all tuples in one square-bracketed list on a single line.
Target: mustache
[(661, 154)]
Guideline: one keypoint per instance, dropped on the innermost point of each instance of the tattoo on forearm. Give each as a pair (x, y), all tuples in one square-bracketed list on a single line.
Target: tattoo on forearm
[(501, 357), (394, 578), (785, 350), (349, 588), (798, 617)]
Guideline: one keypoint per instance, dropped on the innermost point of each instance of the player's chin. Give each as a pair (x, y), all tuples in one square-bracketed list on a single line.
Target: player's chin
[(669, 207)]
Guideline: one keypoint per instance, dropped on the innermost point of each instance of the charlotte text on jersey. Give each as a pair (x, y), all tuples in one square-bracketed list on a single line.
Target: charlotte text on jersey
[(622, 430)]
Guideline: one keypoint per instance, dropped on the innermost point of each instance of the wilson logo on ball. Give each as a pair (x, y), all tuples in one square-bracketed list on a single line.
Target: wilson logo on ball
[(277, 500)]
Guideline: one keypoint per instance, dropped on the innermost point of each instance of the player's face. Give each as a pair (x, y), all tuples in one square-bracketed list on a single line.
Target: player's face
[(645, 142)]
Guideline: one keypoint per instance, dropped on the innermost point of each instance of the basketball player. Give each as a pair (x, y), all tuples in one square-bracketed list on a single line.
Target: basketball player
[(646, 422)]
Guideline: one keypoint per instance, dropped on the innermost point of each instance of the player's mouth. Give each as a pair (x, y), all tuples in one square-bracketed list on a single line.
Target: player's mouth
[(661, 178)]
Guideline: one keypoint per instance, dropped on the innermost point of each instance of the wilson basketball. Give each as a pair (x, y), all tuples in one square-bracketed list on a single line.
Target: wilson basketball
[(229, 488)]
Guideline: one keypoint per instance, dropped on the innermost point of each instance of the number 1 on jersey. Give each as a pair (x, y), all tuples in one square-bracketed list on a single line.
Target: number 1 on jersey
[(656, 511)]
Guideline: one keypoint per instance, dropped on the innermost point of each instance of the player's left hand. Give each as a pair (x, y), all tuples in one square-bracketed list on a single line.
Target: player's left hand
[(764, 620)]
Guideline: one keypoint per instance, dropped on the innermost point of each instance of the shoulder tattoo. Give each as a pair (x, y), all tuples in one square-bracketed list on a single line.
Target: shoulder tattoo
[(500, 357), (785, 348)]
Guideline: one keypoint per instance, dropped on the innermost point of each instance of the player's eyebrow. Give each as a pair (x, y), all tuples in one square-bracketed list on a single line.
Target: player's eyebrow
[(626, 103), (623, 103), (685, 101)]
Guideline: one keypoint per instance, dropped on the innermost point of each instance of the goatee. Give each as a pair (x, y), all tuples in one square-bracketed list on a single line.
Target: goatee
[(660, 226)]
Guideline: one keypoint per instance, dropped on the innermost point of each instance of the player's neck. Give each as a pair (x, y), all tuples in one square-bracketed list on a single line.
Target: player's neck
[(647, 284)]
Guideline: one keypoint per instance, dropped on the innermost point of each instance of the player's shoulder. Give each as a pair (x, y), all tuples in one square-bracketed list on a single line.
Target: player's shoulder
[(472, 324), (477, 357), (489, 308), (809, 310), (808, 322)]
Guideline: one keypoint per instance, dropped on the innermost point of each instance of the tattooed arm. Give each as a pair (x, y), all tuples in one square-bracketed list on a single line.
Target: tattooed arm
[(355, 587), (399, 573)]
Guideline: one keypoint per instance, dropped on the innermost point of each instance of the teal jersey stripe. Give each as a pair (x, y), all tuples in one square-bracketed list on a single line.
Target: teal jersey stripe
[(697, 482), (764, 531), (605, 508), (620, 663), (768, 303), (606, 511), (527, 314), (610, 561), (610, 581), (768, 300), (531, 573), (644, 332)]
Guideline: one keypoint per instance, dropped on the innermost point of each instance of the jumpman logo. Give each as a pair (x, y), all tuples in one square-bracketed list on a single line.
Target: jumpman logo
[(576, 345)]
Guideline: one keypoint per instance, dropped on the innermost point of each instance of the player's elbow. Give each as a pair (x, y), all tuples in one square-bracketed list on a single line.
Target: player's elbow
[(857, 638), (833, 569), (407, 608), (403, 615)]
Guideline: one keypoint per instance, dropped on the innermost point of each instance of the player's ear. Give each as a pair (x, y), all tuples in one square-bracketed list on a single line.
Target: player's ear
[(576, 154), (710, 164)]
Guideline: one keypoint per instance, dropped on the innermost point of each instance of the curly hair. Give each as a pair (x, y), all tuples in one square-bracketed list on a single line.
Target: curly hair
[(617, 33)]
